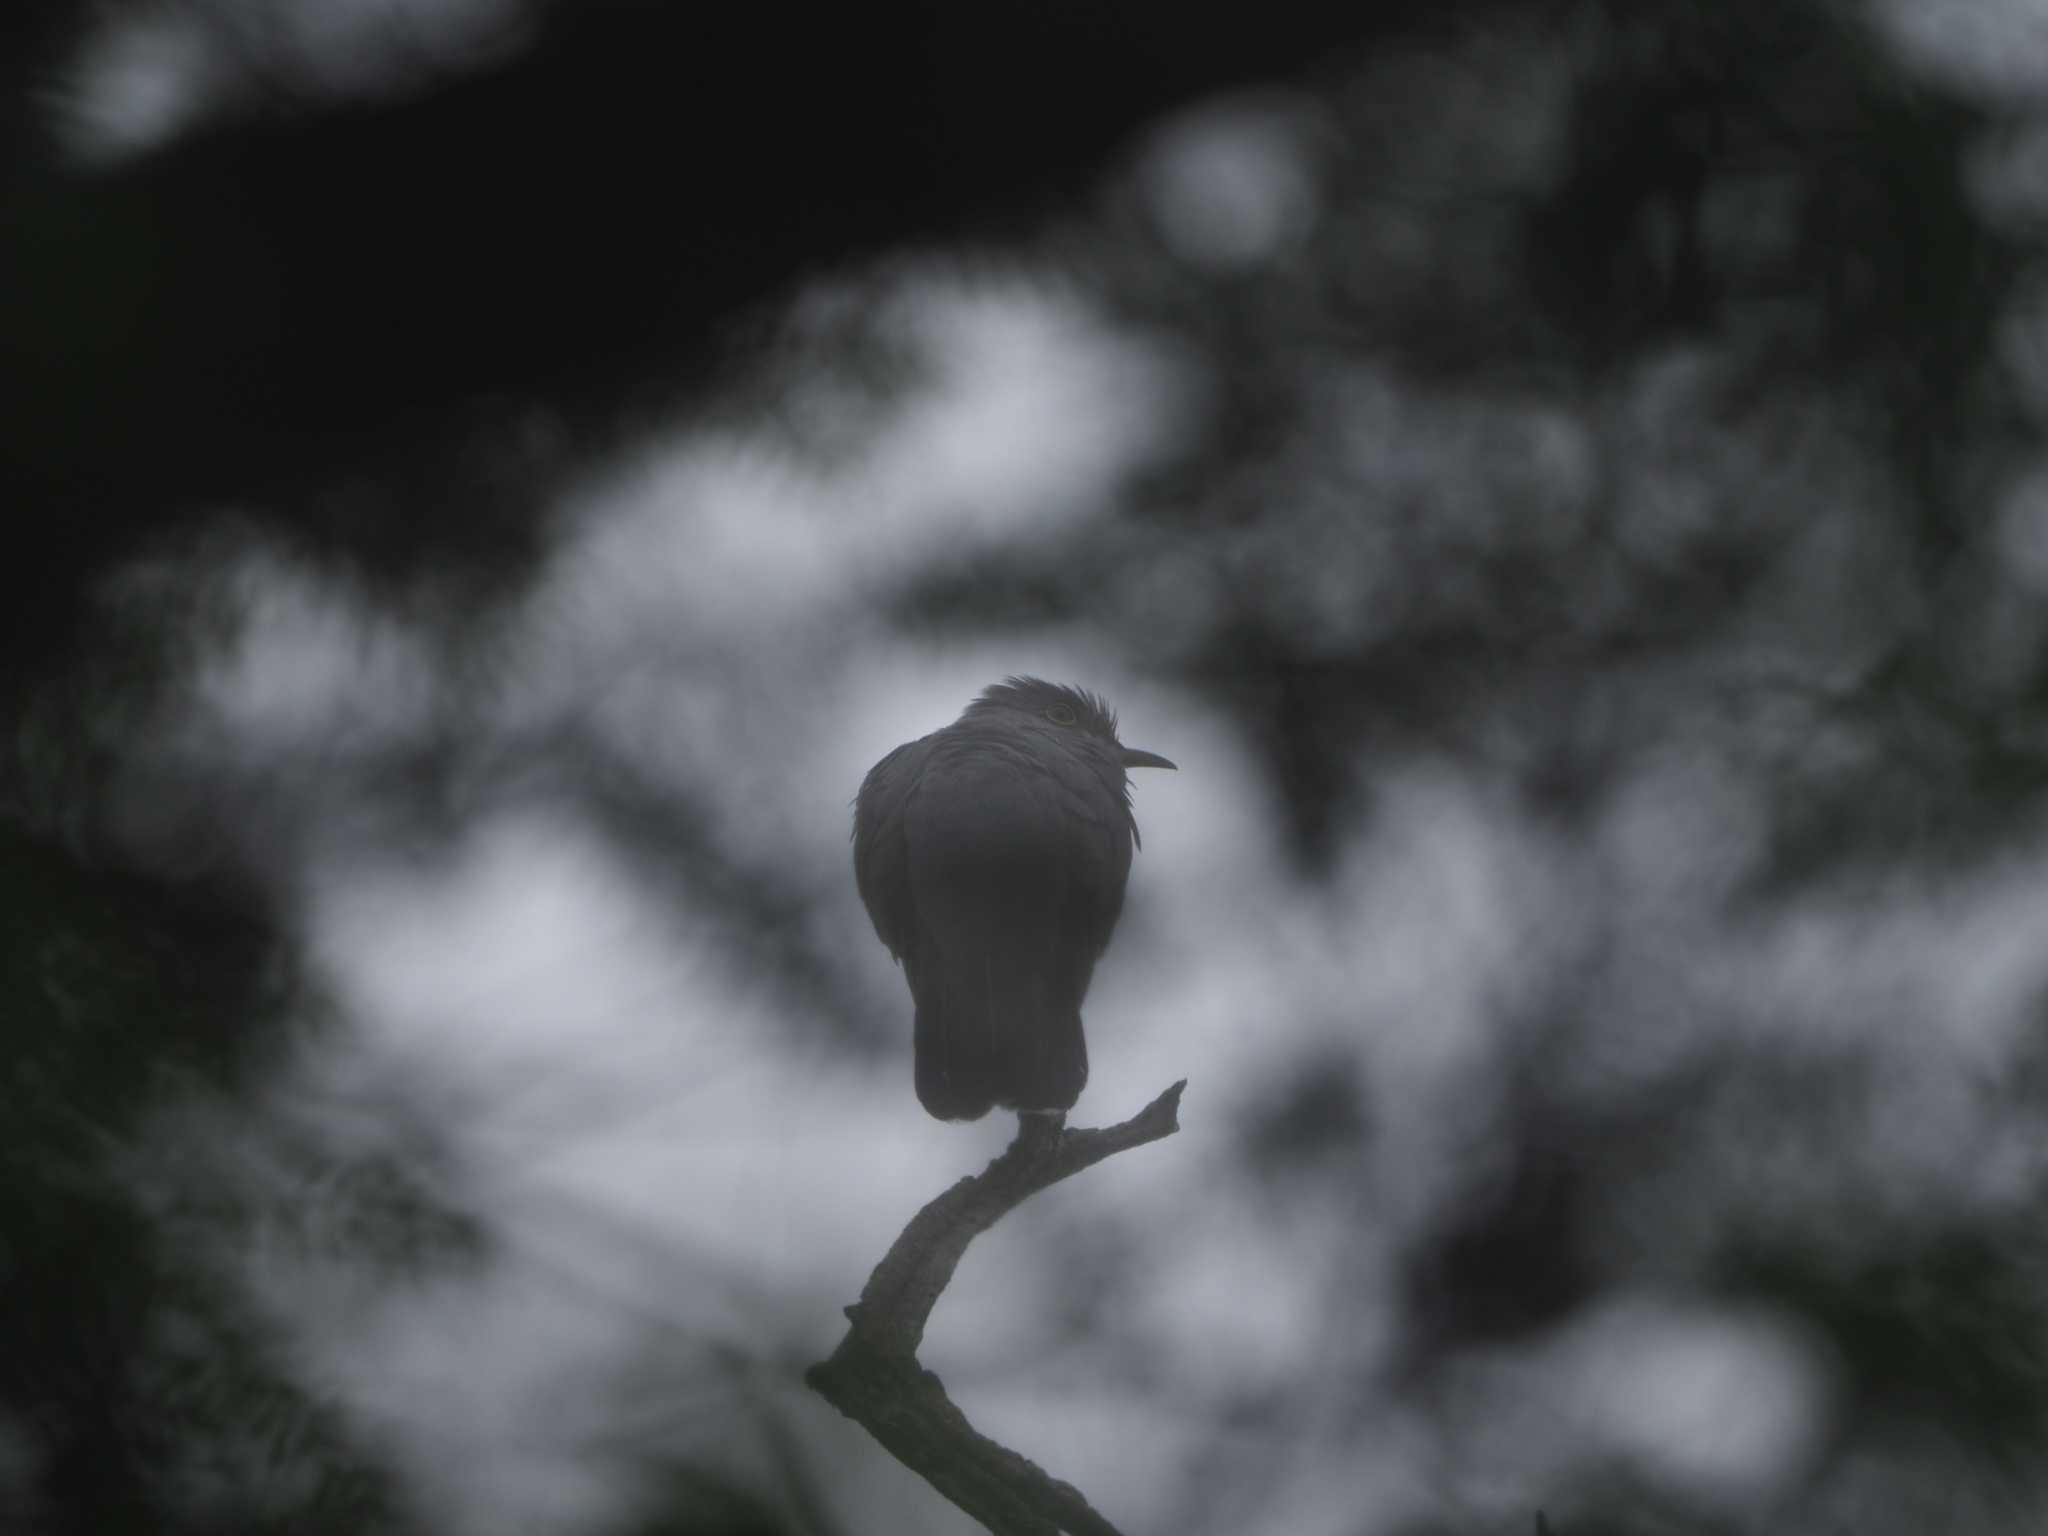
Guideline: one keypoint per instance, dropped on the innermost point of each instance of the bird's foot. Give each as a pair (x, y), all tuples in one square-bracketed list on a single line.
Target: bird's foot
[(1038, 1133)]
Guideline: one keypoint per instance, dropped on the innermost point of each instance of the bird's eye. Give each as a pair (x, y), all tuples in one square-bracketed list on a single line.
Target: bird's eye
[(1059, 714)]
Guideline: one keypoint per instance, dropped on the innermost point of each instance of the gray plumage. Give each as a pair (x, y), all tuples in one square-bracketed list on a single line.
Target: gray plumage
[(992, 856)]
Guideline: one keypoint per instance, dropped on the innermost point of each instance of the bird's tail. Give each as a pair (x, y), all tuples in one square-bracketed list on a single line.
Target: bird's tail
[(991, 1030)]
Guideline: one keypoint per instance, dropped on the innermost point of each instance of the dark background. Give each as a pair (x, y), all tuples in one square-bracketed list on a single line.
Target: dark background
[(1563, 479)]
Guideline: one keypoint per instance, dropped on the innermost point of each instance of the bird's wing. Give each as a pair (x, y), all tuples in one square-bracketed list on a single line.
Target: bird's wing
[(881, 862)]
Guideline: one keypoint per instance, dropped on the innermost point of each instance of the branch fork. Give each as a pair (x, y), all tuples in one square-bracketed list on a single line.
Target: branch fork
[(874, 1377)]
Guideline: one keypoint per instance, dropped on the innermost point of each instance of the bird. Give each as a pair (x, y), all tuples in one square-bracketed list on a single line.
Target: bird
[(992, 856)]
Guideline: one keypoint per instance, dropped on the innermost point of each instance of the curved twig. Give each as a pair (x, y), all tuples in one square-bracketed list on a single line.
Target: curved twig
[(873, 1376)]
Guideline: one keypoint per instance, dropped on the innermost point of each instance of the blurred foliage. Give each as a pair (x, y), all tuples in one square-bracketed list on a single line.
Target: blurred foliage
[(1586, 399), (145, 1397)]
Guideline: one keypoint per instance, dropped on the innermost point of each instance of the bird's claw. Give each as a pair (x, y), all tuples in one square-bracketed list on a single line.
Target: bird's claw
[(1039, 1132)]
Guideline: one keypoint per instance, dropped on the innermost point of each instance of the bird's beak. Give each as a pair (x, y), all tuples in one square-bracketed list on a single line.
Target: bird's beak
[(1135, 757)]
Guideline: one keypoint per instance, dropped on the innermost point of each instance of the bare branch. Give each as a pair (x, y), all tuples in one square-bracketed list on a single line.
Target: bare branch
[(873, 1377)]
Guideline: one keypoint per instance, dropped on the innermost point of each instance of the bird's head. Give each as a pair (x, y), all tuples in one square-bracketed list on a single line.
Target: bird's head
[(1068, 710)]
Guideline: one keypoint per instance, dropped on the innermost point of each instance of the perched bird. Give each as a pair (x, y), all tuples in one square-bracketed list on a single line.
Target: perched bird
[(992, 856)]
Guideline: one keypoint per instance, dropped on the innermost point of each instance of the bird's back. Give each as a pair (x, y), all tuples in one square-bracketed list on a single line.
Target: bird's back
[(993, 864)]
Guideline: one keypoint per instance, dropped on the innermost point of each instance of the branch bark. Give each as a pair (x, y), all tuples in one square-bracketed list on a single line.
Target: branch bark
[(874, 1378)]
